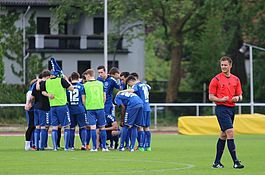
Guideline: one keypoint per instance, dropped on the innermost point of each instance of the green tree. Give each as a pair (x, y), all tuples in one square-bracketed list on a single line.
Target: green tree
[(12, 43), (228, 25), (209, 47), (2, 70), (169, 20), (155, 67), (12, 40)]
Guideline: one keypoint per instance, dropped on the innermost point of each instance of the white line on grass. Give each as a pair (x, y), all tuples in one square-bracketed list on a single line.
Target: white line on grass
[(184, 166)]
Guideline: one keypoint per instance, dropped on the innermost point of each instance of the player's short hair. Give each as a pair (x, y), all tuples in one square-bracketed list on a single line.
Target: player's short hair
[(90, 72), (101, 67), (114, 70), (130, 78), (226, 58), (135, 75), (45, 73), (125, 74), (75, 76), (40, 76)]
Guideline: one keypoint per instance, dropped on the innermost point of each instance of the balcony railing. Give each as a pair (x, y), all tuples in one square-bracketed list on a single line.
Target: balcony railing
[(68, 42)]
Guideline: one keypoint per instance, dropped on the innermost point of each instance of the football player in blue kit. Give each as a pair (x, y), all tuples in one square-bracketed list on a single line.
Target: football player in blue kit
[(77, 111), (55, 89), (110, 82), (142, 90), (29, 108), (41, 112), (131, 116), (113, 131), (123, 78)]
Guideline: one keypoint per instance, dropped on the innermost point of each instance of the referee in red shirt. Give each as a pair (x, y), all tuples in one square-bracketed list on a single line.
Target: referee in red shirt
[(225, 90)]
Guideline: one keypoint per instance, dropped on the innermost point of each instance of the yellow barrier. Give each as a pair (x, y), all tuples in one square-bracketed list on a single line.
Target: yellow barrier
[(208, 125)]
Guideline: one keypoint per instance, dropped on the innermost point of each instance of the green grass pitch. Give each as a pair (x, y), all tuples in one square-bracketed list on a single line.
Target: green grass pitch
[(171, 154)]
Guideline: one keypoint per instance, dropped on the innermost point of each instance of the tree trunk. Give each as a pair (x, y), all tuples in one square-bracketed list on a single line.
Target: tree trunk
[(175, 72)]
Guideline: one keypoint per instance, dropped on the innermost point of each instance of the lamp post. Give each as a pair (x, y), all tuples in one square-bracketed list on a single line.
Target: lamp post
[(24, 44), (242, 49), (106, 34)]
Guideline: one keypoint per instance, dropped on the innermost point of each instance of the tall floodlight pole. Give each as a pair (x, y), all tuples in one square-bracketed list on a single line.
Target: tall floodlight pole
[(251, 80), (24, 44), (106, 34), (251, 73)]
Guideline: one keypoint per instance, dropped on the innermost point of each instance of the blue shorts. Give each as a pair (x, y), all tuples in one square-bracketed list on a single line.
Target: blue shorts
[(41, 117), (30, 118), (134, 116), (96, 117), (225, 116), (79, 119), (60, 116), (108, 108), (110, 119), (146, 119)]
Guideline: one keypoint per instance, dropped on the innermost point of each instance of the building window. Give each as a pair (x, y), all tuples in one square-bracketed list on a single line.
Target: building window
[(98, 25), (59, 62), (43, 25), (82, 66), (112, 63)]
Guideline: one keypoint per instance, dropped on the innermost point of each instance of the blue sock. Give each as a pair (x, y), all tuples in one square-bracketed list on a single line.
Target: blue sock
[(147, 139), (83, 136), (72, 138), (128, 137), (133, 137), (37, 138), (138, 138), (46, 138), (88, 136), (42, 138), (232, 149), (219, 150), (54, 138), (66, 138), (32, 140), (123, 135), (94, 138), (141, 139), (103, 137)]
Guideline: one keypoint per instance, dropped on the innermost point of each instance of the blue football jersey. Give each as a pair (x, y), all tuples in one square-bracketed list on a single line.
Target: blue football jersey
[(142, 90), (74, 99), (128, 99), (109, 84)]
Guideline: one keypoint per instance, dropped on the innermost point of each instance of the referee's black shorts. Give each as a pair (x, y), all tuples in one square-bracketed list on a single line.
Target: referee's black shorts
[(225, 116)]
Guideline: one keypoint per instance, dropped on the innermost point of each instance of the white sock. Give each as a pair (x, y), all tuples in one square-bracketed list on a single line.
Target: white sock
[(27, 143)]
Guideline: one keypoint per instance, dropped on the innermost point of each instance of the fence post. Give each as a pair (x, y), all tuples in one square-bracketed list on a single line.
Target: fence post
[(155, 116), (197, 110)]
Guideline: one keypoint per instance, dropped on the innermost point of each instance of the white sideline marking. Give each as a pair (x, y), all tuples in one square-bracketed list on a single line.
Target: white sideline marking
[(185, 166)]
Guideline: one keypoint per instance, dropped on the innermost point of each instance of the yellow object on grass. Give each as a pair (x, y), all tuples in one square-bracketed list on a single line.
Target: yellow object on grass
[(208, 125)]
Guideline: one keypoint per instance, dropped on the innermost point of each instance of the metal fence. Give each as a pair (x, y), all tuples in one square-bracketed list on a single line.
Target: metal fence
[(197, 106), (156, 106)]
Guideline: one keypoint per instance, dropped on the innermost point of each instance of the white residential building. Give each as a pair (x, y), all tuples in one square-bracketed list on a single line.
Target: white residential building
[(78, 47)]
